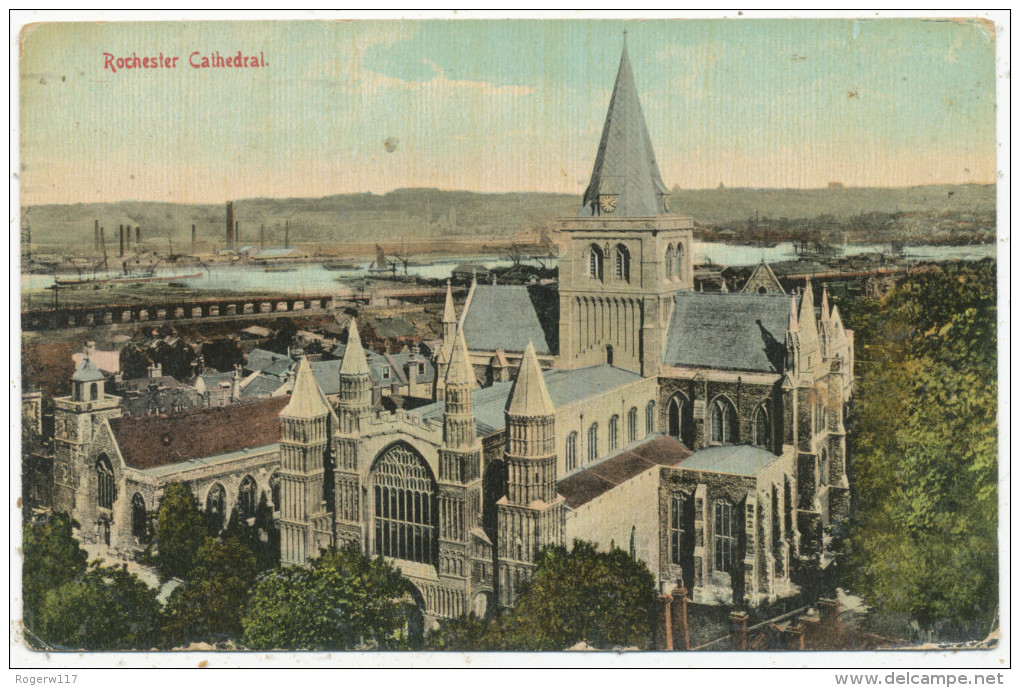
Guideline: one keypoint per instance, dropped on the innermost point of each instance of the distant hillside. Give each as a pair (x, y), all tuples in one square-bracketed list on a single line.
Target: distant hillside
[(435, 214)]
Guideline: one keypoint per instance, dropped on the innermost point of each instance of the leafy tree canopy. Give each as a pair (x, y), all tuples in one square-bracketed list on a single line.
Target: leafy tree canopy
[(180, 532), (345, 600), (52, 557), (924, 439)]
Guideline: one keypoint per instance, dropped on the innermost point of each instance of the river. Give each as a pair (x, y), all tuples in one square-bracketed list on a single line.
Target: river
[(313, 278)]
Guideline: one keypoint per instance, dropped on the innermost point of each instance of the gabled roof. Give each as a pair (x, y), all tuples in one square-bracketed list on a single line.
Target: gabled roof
[(625, 164), (306, 400), (657, 450), (728, 332), (507, 317), (268, 362), (529, 396), (763, 276), (149, 441)]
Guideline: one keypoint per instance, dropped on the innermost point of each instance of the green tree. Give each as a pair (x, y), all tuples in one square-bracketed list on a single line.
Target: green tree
[(105, 609), (180, 531), (262, 537), (223, 353), (52, 557), (465, 634), (924, 452), (345, 600), (602, 598), (210, 604)]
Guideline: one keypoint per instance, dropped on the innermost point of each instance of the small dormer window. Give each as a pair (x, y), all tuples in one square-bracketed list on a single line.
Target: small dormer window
[(385, 373), (421, 368)]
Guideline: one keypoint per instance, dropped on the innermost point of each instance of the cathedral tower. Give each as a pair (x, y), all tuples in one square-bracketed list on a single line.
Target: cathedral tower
[(306, 425), (531, 514), (446, 348), (626, 254), (76, 418), (355, 403)]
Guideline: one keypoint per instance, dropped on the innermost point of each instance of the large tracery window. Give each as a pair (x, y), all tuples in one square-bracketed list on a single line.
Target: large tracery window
[(404, 509), (105, 488)]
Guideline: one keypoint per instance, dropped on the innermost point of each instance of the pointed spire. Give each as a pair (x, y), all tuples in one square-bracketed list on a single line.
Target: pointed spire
[(449, 312), (625, 180), (460, 372), (529, 396), (807, 303), (306, 401), (825, 303), (793, 325), (354, 362)]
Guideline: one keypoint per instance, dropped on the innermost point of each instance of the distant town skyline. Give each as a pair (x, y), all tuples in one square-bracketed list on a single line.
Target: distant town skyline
[(325, 107)]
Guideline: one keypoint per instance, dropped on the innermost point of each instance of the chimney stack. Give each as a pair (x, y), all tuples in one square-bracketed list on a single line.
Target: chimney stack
[(230, 224), (237, 233), (194, 239), (262, 236), (128, 228), (96, 232), (138, 236), (286, 239), (121, 241), (102, 238)]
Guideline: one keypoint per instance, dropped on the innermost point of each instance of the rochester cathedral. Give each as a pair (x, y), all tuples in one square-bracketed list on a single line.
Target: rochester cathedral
[(703, 431)]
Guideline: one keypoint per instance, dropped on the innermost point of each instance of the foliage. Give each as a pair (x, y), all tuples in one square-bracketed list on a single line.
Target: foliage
[(602, 598), (223, 353), (924, 437), (175, 359), (105, 609), (180, 532), (262, 537), (465, 634), (52, 557), (283, 337), (345, 600), (210, 604)]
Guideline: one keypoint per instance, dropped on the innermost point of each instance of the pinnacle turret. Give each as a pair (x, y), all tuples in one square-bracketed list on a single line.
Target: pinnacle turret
[(354, 361), (529, 396), (306, 400), (460, 371)]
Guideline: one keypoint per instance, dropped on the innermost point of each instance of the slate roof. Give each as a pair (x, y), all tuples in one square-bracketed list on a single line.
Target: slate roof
[(268, 362), (163, 393), (87, 372), (564, 387), (656, 450), (625, 164), (728, 331), (739, 459), (507, 317), (262, 386), (150, 441)]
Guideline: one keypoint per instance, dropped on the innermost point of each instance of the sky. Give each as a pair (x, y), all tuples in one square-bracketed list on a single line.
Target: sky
[(499, 105)]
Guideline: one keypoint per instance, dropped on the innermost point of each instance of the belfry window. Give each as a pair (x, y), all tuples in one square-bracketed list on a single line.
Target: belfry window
[(725, 536), (571, 451), (595, 260), (593, 442), (622, 263), (724, 421), (104, 480), (404, 506), (669, 262)]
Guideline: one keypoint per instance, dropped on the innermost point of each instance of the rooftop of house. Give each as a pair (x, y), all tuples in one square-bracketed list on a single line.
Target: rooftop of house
[(738, 459), (595, 480), (268, 362)]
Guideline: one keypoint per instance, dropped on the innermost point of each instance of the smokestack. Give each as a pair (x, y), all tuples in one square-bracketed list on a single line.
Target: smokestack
[(96, 233), (138, 236), (121, 241), (286, 236), (128, 228), (194, 239), (102, 238), (262, 236), (230, 224), (237, 233)]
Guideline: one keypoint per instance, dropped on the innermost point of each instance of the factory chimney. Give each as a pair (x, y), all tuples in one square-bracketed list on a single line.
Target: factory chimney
[(286, 236), (121, 241), (128, 232), (194, 239), (230, 224), (237, 233), (96, 232), (262, 236), (138, 236)]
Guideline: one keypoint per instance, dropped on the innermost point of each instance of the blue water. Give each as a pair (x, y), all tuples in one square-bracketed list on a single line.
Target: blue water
[(313, 278)]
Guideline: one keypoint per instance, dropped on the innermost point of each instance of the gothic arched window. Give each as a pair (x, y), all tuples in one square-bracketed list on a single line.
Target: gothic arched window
[(650, 417), (614, 432), (593, 442), (669, 262), (622, 263), (274, 490), (216, 507), (725, 533), (760, 427), (632, 424), (724, 421), (139, 517), (595, 260), (104, 482), (246, 497), (677, 527), (571, 451), (405, 513), (678, 262)]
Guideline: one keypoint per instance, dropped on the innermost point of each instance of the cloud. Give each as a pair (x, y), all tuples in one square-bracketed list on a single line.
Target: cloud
[(442, 83)]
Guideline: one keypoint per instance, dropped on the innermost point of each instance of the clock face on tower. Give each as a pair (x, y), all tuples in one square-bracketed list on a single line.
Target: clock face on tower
[(607, 203)]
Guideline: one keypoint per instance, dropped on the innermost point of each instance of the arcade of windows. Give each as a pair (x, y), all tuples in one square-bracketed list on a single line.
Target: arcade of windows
[(404, 509), (674, 261)]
